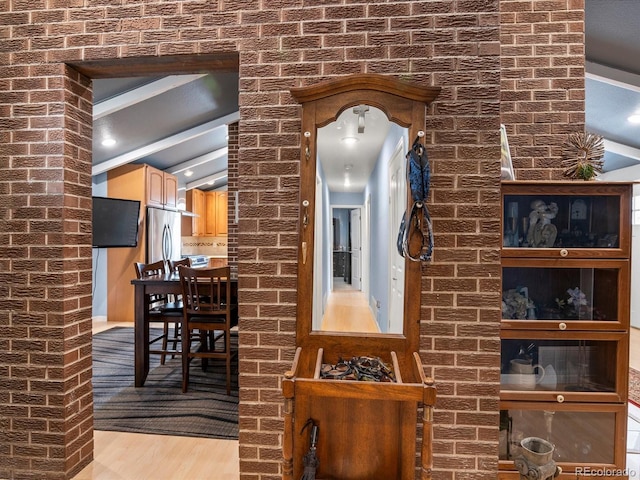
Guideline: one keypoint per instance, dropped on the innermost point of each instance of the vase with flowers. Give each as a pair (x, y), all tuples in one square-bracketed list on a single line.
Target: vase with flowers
[(516, 304), (575, 305)]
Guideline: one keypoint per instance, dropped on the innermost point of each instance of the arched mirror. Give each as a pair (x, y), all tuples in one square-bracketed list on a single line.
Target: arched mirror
[(360, 198), (352, 281)]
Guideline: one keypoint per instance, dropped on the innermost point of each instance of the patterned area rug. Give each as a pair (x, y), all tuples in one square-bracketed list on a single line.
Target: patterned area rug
[(634, 386), (160, 407)]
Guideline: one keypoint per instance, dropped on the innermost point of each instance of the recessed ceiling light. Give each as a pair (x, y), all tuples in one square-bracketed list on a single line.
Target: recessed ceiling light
[(188, 173), (349, 140), (635, 118), (108, 142)]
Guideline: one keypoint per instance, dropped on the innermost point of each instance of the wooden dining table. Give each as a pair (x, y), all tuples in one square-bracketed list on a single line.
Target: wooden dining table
[(168, 283)]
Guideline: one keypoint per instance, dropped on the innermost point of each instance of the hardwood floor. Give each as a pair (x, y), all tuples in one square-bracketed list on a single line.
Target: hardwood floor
[(348, 311), (634, 349), (135, 456)]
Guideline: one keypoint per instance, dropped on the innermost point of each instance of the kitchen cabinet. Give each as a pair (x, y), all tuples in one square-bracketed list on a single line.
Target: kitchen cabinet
[(211, 211), (565, 322), (218, 262), (162, 189), (216, 213), (195, 203), (153, 188), (222, 213)]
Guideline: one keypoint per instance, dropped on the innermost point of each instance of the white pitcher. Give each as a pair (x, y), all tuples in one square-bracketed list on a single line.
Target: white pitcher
[(524, 373)]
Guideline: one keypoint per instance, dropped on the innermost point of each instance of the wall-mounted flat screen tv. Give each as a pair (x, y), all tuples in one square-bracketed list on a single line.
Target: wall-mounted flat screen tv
[(115, 222)]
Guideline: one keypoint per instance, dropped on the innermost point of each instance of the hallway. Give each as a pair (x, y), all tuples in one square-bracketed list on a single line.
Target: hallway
[(348, 311)]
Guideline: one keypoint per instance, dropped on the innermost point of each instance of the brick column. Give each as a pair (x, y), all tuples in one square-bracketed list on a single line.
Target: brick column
[(46, 424)]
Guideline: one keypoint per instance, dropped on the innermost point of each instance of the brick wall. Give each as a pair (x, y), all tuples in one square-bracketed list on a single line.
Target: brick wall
[(542, 82), (232, 187), (46, 421), (45, 184)]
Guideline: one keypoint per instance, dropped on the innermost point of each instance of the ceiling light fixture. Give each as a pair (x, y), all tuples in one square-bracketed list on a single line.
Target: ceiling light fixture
[(188, 173), (108, 142), (360, 110), (349, 140), (635, 118)]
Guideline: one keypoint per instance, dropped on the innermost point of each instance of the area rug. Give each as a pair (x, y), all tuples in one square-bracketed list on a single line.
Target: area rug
[(634, 386), (160, 407)]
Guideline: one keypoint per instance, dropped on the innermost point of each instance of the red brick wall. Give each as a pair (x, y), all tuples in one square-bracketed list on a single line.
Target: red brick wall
[(542, 81), (45, 184), (46, 422), (232, 186)]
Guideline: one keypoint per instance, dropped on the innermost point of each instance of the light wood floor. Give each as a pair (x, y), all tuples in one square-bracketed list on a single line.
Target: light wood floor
[(133, 456), (348, 311), (634, 349)]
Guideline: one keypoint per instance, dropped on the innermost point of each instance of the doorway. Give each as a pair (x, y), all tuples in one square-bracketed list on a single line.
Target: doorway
[(163, 67), (348, 237)]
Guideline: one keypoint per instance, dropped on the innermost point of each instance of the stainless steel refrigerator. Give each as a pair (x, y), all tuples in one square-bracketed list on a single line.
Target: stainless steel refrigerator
[(163, 235)]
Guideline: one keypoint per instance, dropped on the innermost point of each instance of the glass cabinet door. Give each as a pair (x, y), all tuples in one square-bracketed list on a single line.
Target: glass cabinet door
[(565, 368), (572, 294), (556, 220), (581, 437)]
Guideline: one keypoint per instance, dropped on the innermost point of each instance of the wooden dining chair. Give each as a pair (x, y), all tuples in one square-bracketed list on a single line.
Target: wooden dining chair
[(162, 310), (173, 267), (210, 311)]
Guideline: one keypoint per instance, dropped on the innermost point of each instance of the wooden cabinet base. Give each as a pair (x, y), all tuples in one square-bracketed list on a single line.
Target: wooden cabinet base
[(366, 429)]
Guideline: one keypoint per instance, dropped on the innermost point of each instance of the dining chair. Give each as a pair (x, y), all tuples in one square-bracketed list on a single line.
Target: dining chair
[(162, 310), (173, 267), (209, 309)]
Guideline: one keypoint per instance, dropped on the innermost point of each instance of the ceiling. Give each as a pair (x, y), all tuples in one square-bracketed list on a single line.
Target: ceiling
[(613, 79), (360, 134), (178, 123)]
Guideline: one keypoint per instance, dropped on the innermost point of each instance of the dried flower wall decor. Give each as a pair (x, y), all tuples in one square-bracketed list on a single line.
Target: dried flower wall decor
[(583, 154)]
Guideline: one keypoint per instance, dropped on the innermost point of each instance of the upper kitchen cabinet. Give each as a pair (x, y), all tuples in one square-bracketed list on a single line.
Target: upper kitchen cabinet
[(196, 204), (210, 209), (153, 187), (217, 217), (162, 189)]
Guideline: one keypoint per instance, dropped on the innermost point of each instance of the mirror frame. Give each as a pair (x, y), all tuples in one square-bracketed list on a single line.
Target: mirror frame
[(405, 104)]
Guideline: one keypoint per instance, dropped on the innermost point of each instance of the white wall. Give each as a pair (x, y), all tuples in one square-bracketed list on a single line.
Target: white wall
[(635, 258), (631, 174), (99, 304)]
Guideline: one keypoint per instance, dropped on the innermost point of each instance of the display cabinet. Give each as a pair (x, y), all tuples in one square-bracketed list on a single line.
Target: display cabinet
[(588, 435), (571, 294), (565, 323)]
